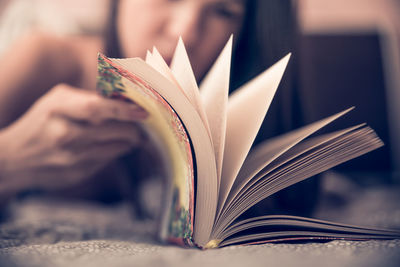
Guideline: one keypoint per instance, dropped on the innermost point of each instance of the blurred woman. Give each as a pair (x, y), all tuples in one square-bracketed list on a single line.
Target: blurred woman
[(57, 134)]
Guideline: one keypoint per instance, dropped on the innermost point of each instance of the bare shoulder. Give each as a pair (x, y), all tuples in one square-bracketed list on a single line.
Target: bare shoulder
[(37, 62), (85, 49), (71, 58)]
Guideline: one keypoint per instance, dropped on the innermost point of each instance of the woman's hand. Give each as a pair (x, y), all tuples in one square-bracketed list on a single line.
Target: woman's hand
[(65, 137)]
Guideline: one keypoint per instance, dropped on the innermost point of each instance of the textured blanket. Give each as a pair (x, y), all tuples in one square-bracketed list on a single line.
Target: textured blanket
[(46, 232)]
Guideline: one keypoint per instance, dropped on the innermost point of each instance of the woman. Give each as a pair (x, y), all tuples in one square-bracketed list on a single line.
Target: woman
[(56, 132)]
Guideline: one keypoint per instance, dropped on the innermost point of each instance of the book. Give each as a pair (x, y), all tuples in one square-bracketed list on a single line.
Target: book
[(204, 138)]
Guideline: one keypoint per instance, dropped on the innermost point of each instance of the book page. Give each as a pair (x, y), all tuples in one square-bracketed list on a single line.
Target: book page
[(271, 149), (206, 177), (214, 95), (304, 160), (183, 73), (247, 108), (298, 228), (172, 144), (158, 63)]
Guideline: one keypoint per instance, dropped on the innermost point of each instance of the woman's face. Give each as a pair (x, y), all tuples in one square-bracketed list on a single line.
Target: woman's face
[(205, 26)]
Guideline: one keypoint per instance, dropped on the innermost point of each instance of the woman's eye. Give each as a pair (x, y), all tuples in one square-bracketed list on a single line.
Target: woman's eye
[(229, 12)]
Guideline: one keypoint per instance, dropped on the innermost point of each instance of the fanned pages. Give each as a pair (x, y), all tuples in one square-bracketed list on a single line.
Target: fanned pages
[(247, 108), (183, 72), (300, 162), (214, 93), (269, 151), (212, 176), (156, 61), (134, 80)]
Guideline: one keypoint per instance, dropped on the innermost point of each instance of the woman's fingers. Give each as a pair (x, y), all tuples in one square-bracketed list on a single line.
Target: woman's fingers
[(100, 153), (83, 122), (77, 135), (68, 135), (90, 107), (113, 131)]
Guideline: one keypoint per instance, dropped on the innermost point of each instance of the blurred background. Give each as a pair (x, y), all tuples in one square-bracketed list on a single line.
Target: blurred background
[(349, 52), (350, 56)]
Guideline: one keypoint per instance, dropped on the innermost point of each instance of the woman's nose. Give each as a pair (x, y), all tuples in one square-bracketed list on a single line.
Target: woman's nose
[(185, 22)]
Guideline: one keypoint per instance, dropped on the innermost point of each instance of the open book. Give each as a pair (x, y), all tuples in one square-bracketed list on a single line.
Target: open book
[(205, 138)]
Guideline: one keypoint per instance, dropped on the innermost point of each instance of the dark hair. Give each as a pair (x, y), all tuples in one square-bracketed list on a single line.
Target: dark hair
[(269, 33), (111, 36)]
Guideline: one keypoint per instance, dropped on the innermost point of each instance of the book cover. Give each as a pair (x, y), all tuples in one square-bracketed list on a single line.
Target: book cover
[(115, 82)]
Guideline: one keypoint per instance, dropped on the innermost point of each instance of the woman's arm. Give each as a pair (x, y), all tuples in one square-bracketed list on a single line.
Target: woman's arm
[(53, 135), (64, 138), (32, 66)]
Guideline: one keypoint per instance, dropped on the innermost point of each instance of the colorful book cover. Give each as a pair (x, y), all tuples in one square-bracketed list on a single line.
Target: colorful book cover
[(167, 130)]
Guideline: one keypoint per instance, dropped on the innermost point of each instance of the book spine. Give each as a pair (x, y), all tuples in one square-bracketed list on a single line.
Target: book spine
[(178, 220)]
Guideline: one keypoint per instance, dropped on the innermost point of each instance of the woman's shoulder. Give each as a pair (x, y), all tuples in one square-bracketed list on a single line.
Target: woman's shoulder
[(52, 46), (72, 57), (85, 49)]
